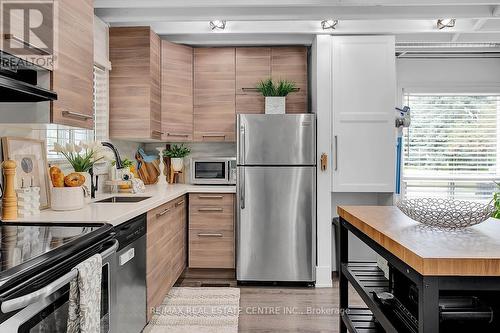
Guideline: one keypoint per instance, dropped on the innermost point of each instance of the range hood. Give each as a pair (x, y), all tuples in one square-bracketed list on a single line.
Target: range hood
[(21, 81)]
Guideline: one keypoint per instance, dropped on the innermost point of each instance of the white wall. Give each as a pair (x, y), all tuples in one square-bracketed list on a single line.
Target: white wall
[(321, 105)]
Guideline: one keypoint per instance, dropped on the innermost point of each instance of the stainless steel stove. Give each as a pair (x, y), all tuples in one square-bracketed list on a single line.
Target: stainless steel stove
[(37, 261)]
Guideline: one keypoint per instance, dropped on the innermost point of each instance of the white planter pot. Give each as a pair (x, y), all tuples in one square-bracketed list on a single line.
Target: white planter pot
[(67, 198), (177, 163), (275, 105)]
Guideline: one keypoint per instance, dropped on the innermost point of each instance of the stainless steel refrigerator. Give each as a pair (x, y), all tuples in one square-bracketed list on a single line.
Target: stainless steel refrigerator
[(276, 198)]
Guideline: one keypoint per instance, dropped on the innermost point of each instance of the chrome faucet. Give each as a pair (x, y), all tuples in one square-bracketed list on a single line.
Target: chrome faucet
[(118, 165)]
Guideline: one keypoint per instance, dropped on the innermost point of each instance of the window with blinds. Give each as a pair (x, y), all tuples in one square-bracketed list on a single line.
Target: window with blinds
[(101, 104), (451, 147)]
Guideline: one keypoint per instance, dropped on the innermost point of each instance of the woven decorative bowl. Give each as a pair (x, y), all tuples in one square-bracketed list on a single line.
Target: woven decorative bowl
[(445, 213)]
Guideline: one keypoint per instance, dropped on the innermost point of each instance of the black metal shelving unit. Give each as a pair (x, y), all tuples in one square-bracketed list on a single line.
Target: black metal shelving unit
[(360, 320)]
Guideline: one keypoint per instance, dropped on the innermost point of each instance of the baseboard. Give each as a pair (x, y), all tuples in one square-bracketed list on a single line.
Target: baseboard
[(323, 277)]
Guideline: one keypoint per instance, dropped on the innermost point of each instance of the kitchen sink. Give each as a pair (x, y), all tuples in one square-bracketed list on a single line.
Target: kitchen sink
[(122, 199)]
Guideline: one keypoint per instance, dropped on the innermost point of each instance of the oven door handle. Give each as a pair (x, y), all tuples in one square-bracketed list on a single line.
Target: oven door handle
[(35, 296)]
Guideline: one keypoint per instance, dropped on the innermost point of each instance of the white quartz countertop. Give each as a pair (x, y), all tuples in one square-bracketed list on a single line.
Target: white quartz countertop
[(117, 213)]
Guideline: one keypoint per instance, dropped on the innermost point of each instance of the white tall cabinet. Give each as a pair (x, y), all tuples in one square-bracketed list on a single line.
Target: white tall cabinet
[(363, 101)]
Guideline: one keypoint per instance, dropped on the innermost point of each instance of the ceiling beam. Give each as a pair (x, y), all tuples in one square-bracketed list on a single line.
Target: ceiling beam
[(280, 3), (476, 27), (116, 15), (349, 27)]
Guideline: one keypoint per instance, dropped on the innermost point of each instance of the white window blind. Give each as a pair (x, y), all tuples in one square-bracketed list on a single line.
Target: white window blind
[(451, 148), (101, 104)]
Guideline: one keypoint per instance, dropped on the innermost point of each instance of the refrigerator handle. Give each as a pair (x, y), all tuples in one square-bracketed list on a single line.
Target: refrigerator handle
[(242, 188), (242, 144)]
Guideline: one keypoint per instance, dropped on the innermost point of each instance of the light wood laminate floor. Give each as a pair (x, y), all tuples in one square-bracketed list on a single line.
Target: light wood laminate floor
[(286, 309), (273, 309)]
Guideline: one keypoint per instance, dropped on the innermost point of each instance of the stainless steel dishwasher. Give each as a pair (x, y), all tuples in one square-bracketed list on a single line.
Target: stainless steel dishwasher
[(130, 276)]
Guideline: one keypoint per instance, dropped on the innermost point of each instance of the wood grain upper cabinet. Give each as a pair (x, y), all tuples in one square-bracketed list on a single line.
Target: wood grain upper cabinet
[(364, 95), (177, 92), (134, 84), (253, 64), (290, 63), (214, 94), (72, 77)]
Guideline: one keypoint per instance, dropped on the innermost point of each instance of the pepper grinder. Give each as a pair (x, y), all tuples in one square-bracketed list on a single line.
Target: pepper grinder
[(9, 200)]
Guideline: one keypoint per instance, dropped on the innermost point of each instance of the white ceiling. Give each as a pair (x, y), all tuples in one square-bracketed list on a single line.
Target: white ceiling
[(255, 22)]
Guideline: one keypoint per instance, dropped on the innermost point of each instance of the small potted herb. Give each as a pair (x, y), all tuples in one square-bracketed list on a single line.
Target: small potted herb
[(275, 94), (177, 154)]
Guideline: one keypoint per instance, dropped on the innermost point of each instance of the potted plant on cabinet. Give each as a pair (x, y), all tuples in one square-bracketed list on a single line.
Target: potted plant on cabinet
[(177, 154), (275, 94)]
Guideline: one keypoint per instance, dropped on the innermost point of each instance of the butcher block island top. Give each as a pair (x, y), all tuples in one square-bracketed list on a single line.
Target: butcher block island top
[(474, 251)]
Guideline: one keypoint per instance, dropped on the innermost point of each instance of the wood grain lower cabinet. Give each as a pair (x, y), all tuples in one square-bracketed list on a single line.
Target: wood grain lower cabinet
[(72, 78), (134, 84), (214, 94), (211, 230), (166, 255), (177, 92)]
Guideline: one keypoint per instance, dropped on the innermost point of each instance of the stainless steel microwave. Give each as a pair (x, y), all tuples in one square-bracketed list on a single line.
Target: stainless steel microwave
[(213, 171)]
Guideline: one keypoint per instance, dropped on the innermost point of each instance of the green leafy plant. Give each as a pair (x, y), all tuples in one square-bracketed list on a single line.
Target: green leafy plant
[(496, 203), (125, 162), (177, 151), (282, 88)]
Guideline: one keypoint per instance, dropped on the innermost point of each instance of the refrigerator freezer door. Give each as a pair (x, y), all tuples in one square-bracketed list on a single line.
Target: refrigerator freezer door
[(276, 139), (276, 224)]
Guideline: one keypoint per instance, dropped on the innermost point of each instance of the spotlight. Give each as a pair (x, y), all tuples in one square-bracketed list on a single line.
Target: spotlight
[(218, 25), (329, 24), (445, 23)]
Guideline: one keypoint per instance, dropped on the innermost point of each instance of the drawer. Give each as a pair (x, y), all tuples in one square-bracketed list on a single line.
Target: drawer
[(211, 217), (211, 249), (211, 199)]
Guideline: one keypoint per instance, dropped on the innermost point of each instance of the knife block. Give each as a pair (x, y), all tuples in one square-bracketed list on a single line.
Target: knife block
[(9, 199)]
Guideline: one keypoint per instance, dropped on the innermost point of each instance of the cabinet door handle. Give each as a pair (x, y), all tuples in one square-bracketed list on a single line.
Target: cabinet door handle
[(72, 114), (210, 235), (178, 134), (214, 135), (180, 203), (26, 44), (160, 214), (157, 132), (335, 139), (242, 187), (210, 196), (211, 209)]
